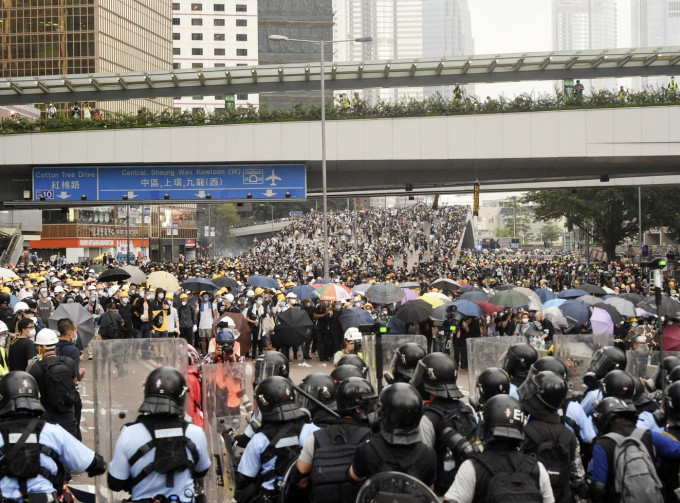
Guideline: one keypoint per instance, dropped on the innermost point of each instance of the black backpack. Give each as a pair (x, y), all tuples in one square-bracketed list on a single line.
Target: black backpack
[(109, 330), (285, 451), (60, 393), (556, 457), (521, 485), (392, 464)]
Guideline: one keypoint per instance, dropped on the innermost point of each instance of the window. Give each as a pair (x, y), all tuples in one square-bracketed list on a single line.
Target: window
[(176, 66), (196, 21), (219, 52), (175, 51), (175, 36), (218, 7), (220, 65), (242, 97), (241, 22), (241, 52), (197, 36), (241, 64), (175, 5), (175, 21), (219, 97), (241, 37), (196, 65), (196, 6), (219, 37), (197, 97), (197, 51), (241, 7), (218, 22)]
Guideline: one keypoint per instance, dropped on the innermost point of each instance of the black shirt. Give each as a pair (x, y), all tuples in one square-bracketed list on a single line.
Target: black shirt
[(38, 373), (20, 351)]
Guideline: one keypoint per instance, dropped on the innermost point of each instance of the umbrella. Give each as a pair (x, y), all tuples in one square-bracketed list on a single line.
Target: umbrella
[(78, 315), (333, 292), (607, 289), (226, 282), (293, 328), (435, 302), (414, 311), (440, 313), (114, 275), (474, 296), (635, 298), (137, 276), (199, 285), (623, 306), (601, 322), (362, 288), (670, 308), (571, 294), (529, 293), (576, 312), (509, 298), (590, 299), (468, 308), (97, 268), (7, 273), (614, 314), (671, 338), (354, 317), (243, 329), (556, 317), (409, 284), (445, 284), (384, 293), (488, 307), (302, 291), (323, 281), (506, 286), (409, 295), (468, 289), (263, 282), (545, 294), (593, 289), (554, 303), (641, 313), (164, 280)]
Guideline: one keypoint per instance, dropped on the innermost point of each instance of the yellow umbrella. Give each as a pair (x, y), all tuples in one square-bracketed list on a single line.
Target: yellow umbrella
[(435, 302), (164, 280)]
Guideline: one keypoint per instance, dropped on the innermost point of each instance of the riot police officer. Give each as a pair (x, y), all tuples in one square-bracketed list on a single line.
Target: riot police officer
[(493, 381), (160, 455), (355, 360), (342, 372), (35, 453), (404, 363), (517, 362), (604, 360), (322, 387)]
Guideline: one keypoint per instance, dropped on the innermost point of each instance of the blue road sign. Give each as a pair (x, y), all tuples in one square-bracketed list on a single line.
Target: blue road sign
[(154, 183)]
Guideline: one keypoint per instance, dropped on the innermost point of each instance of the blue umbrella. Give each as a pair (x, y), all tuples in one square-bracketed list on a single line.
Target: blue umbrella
[(354, 317), (554, 303), (545, 294), (468, 308), (571, 294), (576, 312), (303, 291), (263, 282), (474, 296)]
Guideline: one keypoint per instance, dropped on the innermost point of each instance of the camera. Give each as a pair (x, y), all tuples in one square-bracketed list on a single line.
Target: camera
[(453, 318)]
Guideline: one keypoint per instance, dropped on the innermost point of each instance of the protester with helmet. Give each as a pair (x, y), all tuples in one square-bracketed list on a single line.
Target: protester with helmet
[(501, 471), (160, 454), (448, 425), (224, 347), (604, 360), (21, 311), (39, 451), (352, 345), (397, 446), (326, 457), (491, 382), (21, 348), (405, 360), (322, 387), (268, 456), (517, 362)]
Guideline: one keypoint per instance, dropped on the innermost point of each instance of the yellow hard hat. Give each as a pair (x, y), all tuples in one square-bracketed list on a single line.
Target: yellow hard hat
[(259, 291)]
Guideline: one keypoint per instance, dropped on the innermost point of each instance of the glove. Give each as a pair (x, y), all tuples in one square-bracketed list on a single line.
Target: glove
[(195, 328)]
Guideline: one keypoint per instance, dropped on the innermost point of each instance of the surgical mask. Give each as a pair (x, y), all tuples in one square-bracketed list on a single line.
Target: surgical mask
[(75, 338), (69, 300), (634, 324), (75, 290), (149, 297), (206, 298), (161, 295), (125, 300), (259, 302), (100, 292), (525, 320), (184, 302), (132, 292), (93, 297), (293, 302), (337, 306), (281, 303), (31, 333)]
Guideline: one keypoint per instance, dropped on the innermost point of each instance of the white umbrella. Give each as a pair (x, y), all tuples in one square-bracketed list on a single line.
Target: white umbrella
[(623, 306), (7, 273), (556, 317), (529, 293)]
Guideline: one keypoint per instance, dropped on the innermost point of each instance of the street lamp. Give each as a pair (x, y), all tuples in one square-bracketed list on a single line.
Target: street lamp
[(322, 44), (271, 206)]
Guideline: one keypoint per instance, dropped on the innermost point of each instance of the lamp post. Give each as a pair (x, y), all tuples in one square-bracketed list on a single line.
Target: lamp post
[(322, 44), (271, 207)]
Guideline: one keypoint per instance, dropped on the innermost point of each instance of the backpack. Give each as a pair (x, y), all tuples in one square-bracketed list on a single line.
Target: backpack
[(60, 393), (392, 464), (284, 444), (110, 330), (635, 477), (518, 486), (556, 457)]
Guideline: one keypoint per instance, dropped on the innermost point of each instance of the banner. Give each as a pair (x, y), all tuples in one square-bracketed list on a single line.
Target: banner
[(475, 208)]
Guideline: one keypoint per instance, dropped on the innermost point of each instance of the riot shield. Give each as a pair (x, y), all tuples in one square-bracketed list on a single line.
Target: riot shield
[(576, 351), (120, 370), (646, 363), (224, 414), (380, 361), (485, 352), (395, 487)]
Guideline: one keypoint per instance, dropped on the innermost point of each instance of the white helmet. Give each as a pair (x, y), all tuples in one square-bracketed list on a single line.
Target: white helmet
[(353, 334), (3, 327), (230, 322), (58, 289), (20, 306), (250, 293), (46, 337), (291, 295)]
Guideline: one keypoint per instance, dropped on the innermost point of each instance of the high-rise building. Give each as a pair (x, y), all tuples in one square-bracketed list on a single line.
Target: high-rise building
[(39, 37), (580, 25), (218, 33), (655, 23)]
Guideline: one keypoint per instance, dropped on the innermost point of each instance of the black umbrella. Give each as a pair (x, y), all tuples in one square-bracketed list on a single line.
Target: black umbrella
[(592, 289), (670, 308), (384, 293), (635, 298), (114, 275), (226, 282), (446, 284), (506, 286), (293, 328), (468, 289), (414, 311), (199, 285)]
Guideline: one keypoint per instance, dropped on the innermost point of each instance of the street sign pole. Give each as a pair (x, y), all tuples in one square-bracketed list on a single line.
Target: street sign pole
[(128, 235)]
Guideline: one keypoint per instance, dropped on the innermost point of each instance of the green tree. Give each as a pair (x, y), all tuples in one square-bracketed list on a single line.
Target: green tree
[(665, 206), (517, 220), (221, 216), (550, 231)]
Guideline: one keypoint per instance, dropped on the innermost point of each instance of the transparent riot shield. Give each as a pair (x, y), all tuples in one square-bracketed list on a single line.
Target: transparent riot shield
[(576, 351), (224, 414), (395, 487), (485, 352), (120, 370), (380, 362)]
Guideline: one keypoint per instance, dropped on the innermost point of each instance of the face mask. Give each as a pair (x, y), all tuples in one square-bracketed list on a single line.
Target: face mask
[(100, 292), (633, 324), (132, 292), (282, 304), (184, 302), (161, 295), (93, 298), (525, 320), (337, 307), (43, 295), (149, 297), (259, 302), (75, 290), (69, 301), (31, 333), (125, 300), (206, 298), (75, 338), (307, 304)]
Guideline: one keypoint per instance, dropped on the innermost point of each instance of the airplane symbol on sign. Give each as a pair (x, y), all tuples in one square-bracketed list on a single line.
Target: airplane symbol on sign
[(273, 178)]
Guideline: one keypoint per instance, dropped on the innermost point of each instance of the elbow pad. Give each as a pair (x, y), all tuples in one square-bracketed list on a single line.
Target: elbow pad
[(97, 467), (243, 481), (598, 491), (117, 484), (242, 440), (296, 475)]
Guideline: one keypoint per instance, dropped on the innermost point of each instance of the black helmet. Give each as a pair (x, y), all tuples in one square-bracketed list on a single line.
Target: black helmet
[(673, 375), (4, 298), (356, 361), (553, 364), (610, 407), (322, 387), (272, 364), (436, 374), (673, 402), (405, 360), (353, 393), (493, 381), (618, 383), (518, 360), (543, 393), (502, 417), (343, 372), (605, 360), (19, 391), (165, 391), (643, 400), (276, 399), (669, 363), (400, 411)]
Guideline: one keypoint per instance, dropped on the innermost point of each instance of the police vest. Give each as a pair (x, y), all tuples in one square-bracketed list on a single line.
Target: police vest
[(284, 444)]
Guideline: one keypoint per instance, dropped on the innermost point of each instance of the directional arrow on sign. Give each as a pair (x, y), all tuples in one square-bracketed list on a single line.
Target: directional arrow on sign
[(63, 195), (201, 194), (269, 193), (131, 194)]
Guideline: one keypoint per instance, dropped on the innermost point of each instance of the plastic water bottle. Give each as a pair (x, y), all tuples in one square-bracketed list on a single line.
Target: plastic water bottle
[(16, 494)]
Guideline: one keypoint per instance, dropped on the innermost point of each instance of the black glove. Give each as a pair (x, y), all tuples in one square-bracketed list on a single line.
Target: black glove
[(97, 467)]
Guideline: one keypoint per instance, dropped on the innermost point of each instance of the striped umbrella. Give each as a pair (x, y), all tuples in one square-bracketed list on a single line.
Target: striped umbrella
[(333, 292)]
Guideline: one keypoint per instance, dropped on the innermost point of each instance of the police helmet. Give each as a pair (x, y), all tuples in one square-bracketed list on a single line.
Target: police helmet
[(543, 393), (400, 409), (673, 402), (493, 381), (19, 392), (165, 392), (518, 360), (356, 361), (226, 336), (353, 393), (618, 383), (609, 408), (502, 417), (273, 363), (5, 298), (342, 372), (605, 360), (643, 400), (276, 400), (553, 364), (322, 387), (405, 360), (436, 374)]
